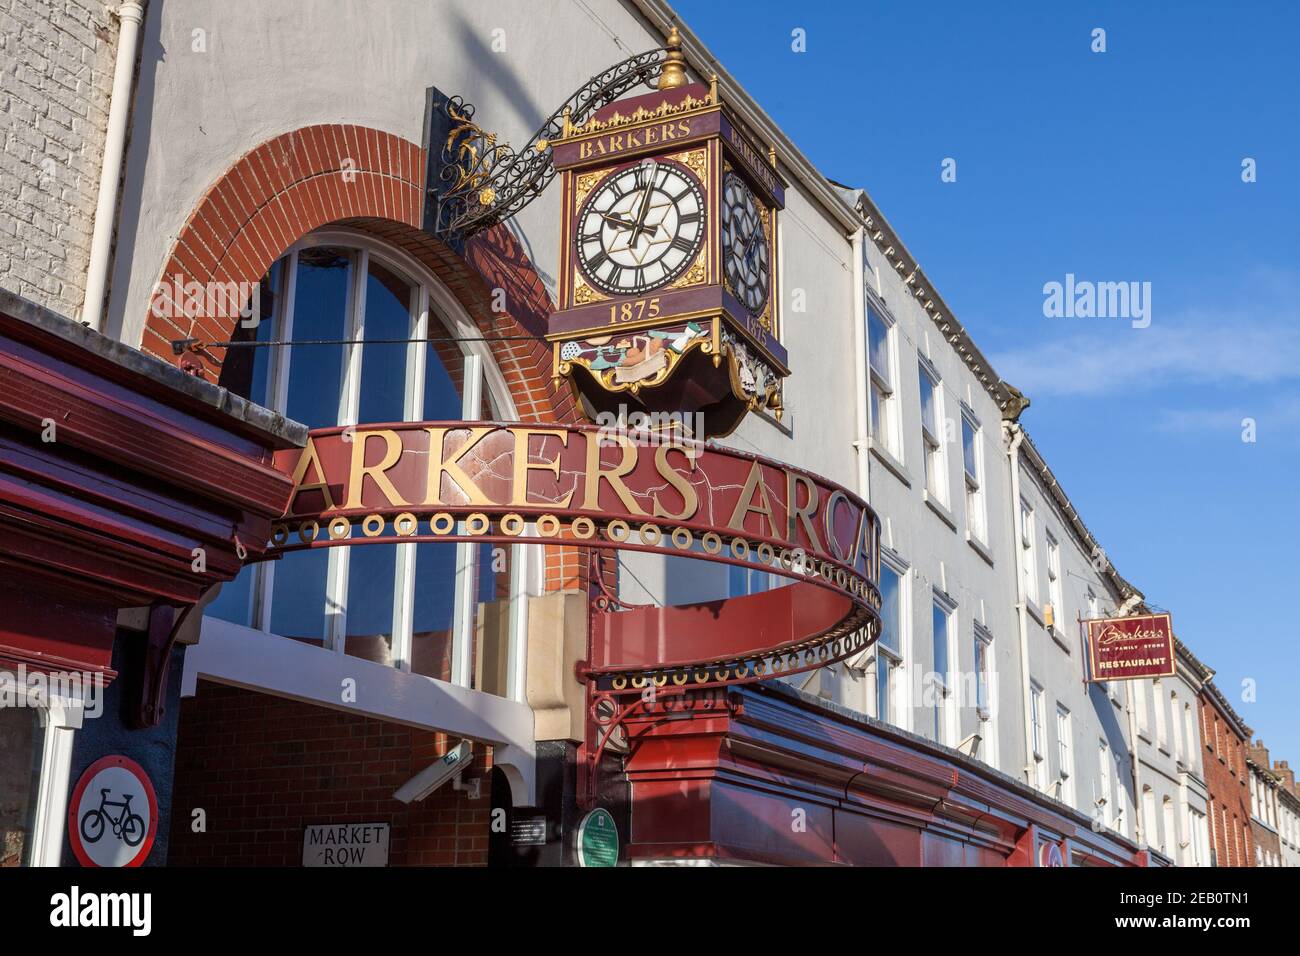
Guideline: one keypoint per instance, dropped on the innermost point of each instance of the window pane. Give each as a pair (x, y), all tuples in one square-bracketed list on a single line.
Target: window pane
[(372, 575), (320, 312), (940, 623), (968, 449), (492, 620), (383, 366), (246, 369), (890, 610), (884, 677), (234, 602), (435, 590), (21, 747), (928, 415), (443, 373), (878, 346), (298, 601)]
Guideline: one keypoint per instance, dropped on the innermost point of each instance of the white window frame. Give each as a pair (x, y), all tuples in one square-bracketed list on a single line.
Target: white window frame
[(944, 709), (1037, 734), (1064, 754), (431, 302), (988, 729), (1054, 589), (1175, 725), (59, 718), (1109, 811), (1162, 721), (976, 508), (883, 391), (933, 446), (897, 692), (1029, 550)]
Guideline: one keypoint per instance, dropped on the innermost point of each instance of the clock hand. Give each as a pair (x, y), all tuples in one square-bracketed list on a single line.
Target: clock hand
[(616, 220), (653, 168)]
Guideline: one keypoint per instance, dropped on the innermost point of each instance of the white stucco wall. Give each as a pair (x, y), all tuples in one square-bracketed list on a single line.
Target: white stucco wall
[(217, 80)]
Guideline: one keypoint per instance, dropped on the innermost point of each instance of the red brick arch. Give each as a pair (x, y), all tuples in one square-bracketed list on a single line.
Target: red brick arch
[(373, 181)]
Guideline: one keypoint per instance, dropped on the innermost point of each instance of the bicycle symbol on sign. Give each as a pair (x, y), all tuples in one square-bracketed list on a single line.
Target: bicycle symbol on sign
[(127, 826)]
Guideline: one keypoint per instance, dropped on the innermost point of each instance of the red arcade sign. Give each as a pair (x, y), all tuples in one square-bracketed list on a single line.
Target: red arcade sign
[(1127, 648), (576, 485)]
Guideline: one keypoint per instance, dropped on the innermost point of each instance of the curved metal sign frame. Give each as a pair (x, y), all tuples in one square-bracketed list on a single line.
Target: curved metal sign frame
[(576, 485)]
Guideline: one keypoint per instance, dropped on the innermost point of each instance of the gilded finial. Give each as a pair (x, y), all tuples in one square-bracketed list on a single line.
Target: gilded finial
[(674, 71)]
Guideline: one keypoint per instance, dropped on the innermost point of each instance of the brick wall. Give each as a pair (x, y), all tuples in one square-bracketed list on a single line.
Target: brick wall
[(56, 73), (1227, 783), (262, 767)]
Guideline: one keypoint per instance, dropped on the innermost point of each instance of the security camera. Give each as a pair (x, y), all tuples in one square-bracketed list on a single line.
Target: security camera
[(436, 774)]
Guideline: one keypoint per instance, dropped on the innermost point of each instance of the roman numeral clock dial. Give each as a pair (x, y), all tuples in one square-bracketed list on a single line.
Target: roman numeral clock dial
[(747, 255), (641, 228)]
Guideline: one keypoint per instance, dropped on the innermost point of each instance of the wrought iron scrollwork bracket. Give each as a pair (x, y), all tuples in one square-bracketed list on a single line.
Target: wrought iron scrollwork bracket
[(476, 182)]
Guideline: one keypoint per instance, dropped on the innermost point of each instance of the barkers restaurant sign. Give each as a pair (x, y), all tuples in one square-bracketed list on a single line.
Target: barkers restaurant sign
[(577, 485), (1127, 648)]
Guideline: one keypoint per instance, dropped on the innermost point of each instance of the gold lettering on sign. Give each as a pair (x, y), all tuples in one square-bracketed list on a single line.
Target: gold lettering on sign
[(633, 139), (828, 523), (519, 488), (595, 474), (440, 465), (690, 499), (310, 457), (805, 514), (754, 483), (359, 471), (864, 545)]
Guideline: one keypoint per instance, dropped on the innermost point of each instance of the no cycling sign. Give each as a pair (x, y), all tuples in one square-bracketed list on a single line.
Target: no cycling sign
[(113, 814)]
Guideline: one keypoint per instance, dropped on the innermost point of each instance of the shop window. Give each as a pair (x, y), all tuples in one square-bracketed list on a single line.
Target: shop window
[(21, 746), (352, 313)]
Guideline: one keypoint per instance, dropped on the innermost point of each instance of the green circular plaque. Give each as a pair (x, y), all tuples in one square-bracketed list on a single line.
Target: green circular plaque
[(597, 839)]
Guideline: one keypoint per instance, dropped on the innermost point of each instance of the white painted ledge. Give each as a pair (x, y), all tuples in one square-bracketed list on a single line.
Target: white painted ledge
[(256, 660)]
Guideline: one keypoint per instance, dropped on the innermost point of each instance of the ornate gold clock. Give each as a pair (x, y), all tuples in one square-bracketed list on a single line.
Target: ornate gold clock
[(668, 283)]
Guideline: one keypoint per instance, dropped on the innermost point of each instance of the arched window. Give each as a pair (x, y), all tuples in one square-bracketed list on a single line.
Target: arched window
[(350, 305)]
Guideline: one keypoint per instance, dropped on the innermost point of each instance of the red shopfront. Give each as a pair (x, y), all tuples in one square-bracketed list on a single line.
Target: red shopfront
[(767, 774), (128, 490)]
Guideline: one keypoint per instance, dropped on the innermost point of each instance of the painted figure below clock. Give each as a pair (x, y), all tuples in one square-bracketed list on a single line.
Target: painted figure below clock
[(641, 228), (746, 252)]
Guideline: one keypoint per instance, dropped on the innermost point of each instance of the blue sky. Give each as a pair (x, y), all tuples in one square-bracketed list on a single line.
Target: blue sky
[(1117, 166)]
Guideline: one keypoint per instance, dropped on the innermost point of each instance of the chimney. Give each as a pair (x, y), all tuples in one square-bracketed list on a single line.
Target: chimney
[(1259, 753), (1283, 770)]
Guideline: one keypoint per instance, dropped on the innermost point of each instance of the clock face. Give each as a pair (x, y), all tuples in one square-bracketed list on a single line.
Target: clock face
[(747, 255), (641, 228)]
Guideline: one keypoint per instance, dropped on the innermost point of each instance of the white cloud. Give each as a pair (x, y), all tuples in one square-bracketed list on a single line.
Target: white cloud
[(1250, 340), (1267, 418)]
